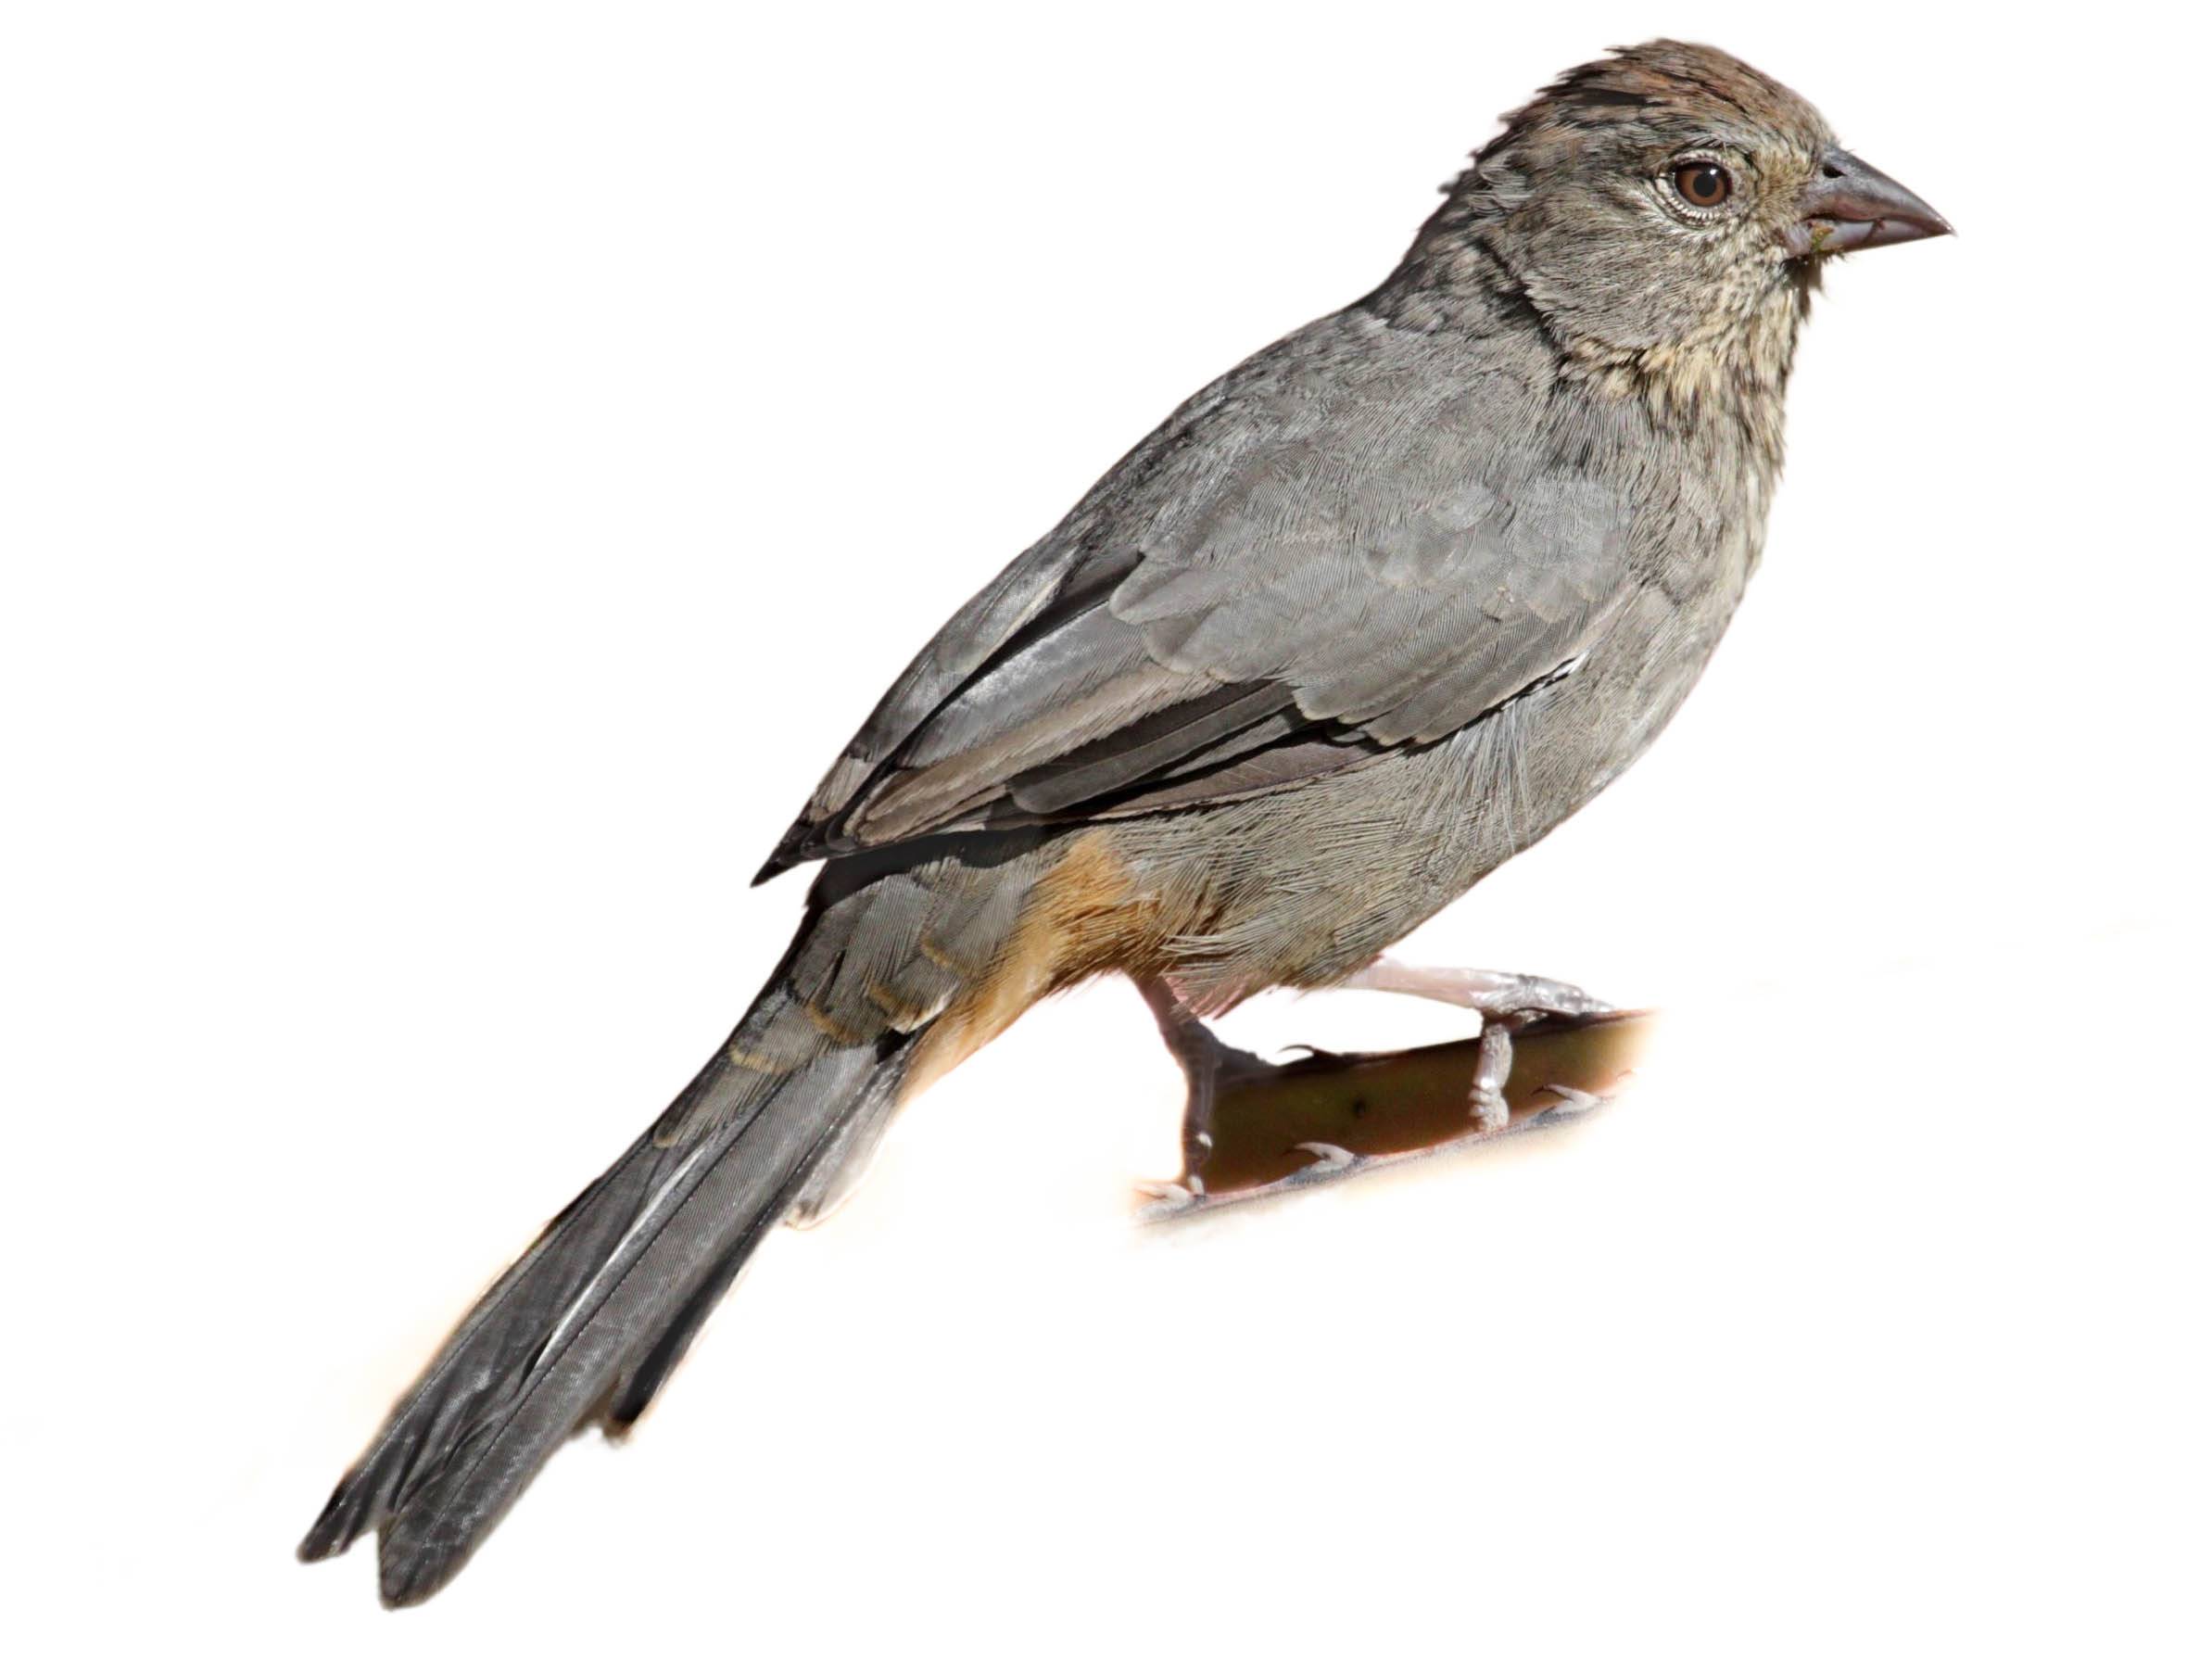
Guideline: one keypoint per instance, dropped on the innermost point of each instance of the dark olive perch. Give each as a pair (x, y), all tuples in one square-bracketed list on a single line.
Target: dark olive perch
[(1270, 1129)]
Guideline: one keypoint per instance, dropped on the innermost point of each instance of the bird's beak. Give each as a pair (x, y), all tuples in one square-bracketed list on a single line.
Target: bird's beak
[(1851, 205)]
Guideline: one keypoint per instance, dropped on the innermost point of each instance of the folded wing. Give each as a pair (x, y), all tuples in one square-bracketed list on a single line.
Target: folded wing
[(1334, 552)]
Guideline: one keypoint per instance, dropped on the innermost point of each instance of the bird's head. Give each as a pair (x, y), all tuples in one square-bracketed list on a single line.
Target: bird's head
[(1666, 209)]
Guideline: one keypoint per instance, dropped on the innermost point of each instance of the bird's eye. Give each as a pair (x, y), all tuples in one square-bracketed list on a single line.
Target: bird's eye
[(1703, 183)]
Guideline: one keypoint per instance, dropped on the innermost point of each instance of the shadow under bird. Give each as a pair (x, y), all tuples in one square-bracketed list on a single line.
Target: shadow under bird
[(1361, 620)]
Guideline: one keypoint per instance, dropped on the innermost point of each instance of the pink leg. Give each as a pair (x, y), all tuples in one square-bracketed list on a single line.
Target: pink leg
[(1206, 1061), (1505, 1001)]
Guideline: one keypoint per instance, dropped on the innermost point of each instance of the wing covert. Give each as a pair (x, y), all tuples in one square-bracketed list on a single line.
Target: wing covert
[(1328, 554)]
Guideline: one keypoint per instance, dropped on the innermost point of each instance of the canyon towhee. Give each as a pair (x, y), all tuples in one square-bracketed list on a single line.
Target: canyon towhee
[(1362, 619)]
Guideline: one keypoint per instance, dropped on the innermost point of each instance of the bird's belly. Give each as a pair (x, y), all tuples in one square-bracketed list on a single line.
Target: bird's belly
[(1306, 886)]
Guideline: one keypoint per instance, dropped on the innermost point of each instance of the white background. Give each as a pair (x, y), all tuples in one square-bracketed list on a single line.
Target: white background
[(466, 470)]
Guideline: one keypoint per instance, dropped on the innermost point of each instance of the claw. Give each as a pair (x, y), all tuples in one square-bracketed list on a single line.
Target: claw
[(1570, 1101), (1169, 1198), (1377, 1110)]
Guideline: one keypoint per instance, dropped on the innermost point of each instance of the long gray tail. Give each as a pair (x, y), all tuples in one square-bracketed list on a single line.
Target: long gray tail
[(589, 1322)]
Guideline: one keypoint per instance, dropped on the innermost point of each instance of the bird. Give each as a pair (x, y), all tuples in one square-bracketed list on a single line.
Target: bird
[(1361, 620)]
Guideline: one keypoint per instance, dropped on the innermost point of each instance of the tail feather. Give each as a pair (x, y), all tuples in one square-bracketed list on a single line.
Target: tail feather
[(837, 1168), (835, 1177), (597, 1313), (587, 1324), (634, 1388)]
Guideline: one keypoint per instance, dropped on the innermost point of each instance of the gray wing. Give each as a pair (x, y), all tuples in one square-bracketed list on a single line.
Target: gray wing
[(1350, 544)]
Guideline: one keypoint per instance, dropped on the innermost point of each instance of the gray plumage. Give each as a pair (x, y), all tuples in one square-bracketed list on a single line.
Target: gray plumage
[(1219, 593), (1362, 619)]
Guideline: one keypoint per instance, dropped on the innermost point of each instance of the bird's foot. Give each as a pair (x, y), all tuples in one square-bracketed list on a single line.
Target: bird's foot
[(1254, 1129), (1210, 1068), (1506, 1002), (1167, 1200)]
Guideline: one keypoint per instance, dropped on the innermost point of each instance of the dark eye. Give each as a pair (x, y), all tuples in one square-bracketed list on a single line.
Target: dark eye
[(1703, 183)]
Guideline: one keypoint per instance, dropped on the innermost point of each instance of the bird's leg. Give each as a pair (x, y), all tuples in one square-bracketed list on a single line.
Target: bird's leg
[(1206, 1061), (1478, 988), (1253, 1127), (1505, 1002)]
